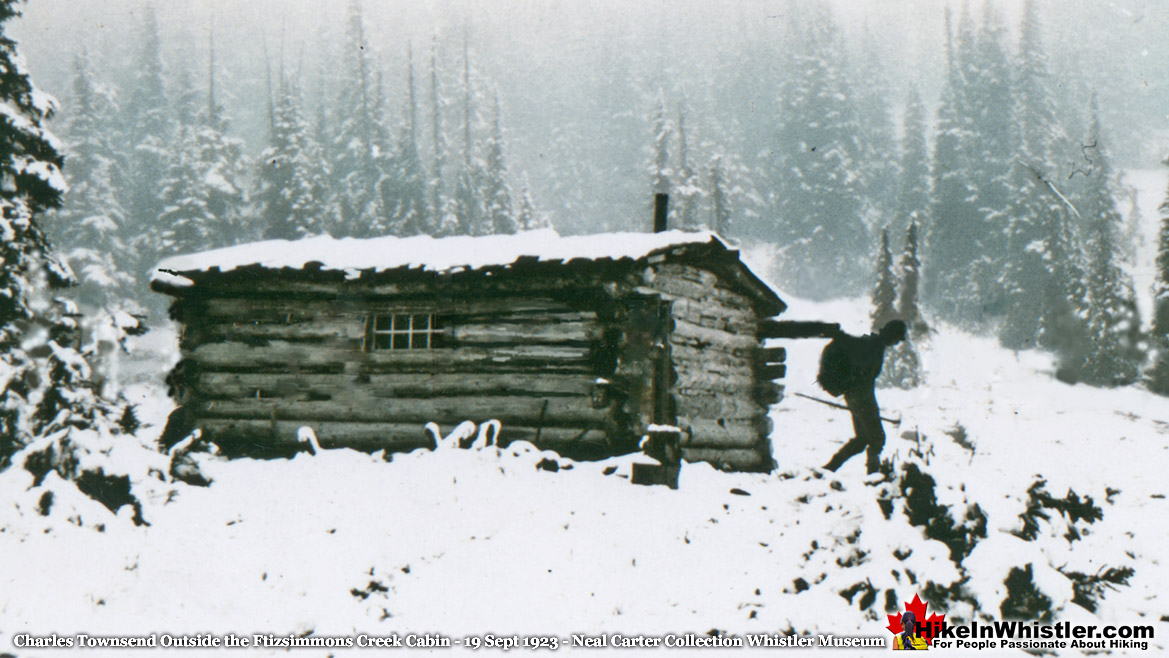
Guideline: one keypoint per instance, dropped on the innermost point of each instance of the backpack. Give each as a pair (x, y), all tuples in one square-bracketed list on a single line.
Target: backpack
[(836, 368)]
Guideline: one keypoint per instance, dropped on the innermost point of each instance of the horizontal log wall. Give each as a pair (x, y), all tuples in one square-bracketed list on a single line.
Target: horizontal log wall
[(717, 363), (296, 357), (264, 367)]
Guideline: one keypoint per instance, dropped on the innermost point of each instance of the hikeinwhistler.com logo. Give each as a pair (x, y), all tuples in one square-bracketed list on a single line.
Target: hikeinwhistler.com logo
[(918, 628)]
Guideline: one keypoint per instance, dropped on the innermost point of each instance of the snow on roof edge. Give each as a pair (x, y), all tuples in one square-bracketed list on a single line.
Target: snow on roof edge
[(433, 254)]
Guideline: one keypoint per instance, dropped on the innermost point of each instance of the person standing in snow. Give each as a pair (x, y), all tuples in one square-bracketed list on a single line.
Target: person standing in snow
[(849, 366), (909, 638)]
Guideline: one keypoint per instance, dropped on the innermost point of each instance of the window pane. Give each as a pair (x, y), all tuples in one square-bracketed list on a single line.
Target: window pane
[(405, 331)]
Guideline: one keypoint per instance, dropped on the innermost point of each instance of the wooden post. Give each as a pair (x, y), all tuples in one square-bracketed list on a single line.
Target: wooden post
[(660, 377), (663, 443), (797, 329)]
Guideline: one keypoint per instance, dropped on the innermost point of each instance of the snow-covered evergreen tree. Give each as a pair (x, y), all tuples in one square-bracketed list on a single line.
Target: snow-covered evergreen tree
[(496, 190), (913, 188), (48, 409), (884, 294), (822, 203), (357, 160), (1158, 377), (527, 217), (902, 366), (148, 123), (203, 190), (958, 223), (720, 200), (1042, 273), (88, 230), (443, 219), (404, 189), (471, 201), (289, 183), (189, 101), (687, 189), (992, 146), (908, 308), (1113, 325), (467, 206), (660, 174), (735, 204)]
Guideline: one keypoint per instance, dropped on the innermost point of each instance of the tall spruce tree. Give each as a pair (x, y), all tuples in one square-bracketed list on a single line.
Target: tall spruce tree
[(202, 192), (688, 188), (30, 166), (496, 190), (992, 148), (289, 185), (467, 207), (957, 222), (404, 190), (884, 294), (1114, 354), (1158, 377), (1042, 275), (149, 127), (720, 200), (823, 200), (735, 204), (47, 404), (354, 208), (443, 219), (913, 188), (660, 173), (902, 367), (471, 187), (527, 216), (907, 304), (88, 230)]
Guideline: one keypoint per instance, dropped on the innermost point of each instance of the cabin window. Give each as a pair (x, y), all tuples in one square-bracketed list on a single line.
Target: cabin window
[(403, 331)]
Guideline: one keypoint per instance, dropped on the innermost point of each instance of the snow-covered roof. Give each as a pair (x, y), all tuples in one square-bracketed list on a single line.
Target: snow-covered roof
[(433, 254), (443, 255)]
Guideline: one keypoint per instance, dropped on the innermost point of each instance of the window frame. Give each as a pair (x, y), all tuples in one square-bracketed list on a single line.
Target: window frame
[(428, 336)]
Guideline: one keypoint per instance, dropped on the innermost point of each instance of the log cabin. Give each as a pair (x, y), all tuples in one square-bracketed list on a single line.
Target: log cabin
[(577, 344)]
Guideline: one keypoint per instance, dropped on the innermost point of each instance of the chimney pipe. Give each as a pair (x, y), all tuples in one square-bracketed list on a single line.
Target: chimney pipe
[(661, 211)]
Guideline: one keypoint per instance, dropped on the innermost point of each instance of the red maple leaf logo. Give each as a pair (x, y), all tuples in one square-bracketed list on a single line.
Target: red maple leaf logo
[(926, 626)]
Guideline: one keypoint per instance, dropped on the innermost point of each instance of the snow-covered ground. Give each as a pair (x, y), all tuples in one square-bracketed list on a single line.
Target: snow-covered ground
[(471, 542)]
